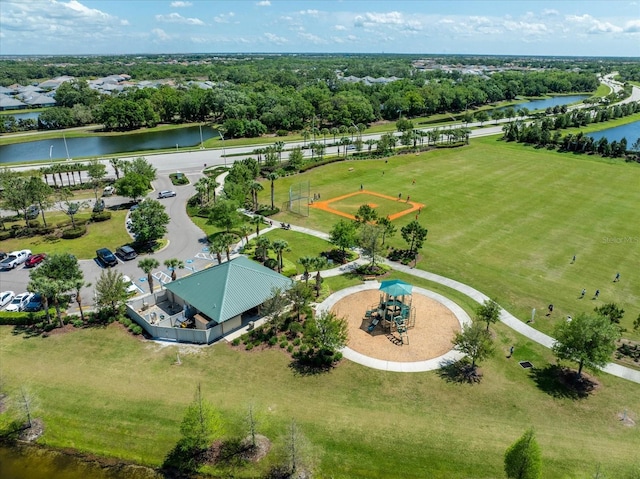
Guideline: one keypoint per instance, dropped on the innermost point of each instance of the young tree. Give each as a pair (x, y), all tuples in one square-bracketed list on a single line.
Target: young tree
[(388, 228), (111, 292), (474, 341), (132, 185), (263, 244), (307, 263), (588, 339), (327, 332), (96, 171), (297, 452), (78, 284), (414, 234), (274, 306), (256, 220), (201, 424), (523, 460), (319, 263), (173, 264), (228, 240), (299, 294), (365, 214), (56, 275), (70, 208), (296, 158), (141, 167), (117, 164), (147, 265), (149, 221), (370, 242), (344, 235), (611, 311), (488, 312), (224, 214)]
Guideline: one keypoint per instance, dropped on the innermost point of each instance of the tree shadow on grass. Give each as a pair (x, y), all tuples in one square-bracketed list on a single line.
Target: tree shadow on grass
[(460, 372), (561, 382), (27, 331)]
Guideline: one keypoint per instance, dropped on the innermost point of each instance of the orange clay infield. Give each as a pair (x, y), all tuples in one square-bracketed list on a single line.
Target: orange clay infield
[(431, 337), (325, 205)]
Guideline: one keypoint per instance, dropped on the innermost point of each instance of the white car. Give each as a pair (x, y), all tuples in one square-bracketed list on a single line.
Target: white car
[(166, 194), (19, 302), (131, 286), (6, 297), (15, 258)]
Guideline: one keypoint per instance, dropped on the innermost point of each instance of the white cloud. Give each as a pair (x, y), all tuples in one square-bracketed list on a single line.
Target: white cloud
[(224, 17), (177, 18), (632, 27), (313, 38), (161, 34), (550, 12), (592, 25), (275, 38), (313, 13), (181, 4), (395, 20), (264, 3), (340, 28)]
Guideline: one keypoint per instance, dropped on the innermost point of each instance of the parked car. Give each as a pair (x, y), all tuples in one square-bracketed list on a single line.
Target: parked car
[(34, 260), (15, 258), (131, 287), (108, 191), (3, 255), (36, 303), (6, 297), (126, 253), (166, 194), (107, 257), (19, 302), (32, 212)]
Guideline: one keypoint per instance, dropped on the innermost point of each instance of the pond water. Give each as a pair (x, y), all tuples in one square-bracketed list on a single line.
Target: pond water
[(22, 115), (188, 136), (630, 131), (28, 462), (547, 102)]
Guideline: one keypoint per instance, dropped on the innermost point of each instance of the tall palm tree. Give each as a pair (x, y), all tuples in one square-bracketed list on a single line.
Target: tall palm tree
[(245, 229), (216, 245), (78, 285), (254, 188), (279, 145), (262, 248), (334, 132), (256, 220), (305, 137), (147, 265), (173, 264), (202, 187), (272, 177), (307, 263), (228, 239), (344, 141), (325, 132), (279, 246), (212, 185)]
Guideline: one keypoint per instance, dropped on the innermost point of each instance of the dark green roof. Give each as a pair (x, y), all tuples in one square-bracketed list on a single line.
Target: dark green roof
[(228, 289)]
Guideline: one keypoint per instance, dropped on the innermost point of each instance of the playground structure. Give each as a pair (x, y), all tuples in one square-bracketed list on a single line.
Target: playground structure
[(394, 310)]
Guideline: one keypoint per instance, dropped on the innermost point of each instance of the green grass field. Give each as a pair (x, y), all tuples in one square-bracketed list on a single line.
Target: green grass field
[(503, 218), (507, 220)]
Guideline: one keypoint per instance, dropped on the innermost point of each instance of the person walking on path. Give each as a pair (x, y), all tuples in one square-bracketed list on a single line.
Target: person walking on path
[(399, 196), (550, 310), (408, 198), (574, 259), (617, 278)]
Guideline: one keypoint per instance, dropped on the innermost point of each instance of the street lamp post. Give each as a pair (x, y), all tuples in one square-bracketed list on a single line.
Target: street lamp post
[(224, 153)]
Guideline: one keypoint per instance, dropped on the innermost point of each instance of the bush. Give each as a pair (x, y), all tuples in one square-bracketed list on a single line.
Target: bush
[(77, 323), (73, 233), (136, 329), (282, 133), (295, 327), (236, 342), (249, 346), (283, 344), (273, 340), (179, 180), (33, 224), (296, 342), (102, 216), (45, 230), (22, 319), (5, 235), (268, 211), (290, 348), (271, 263)]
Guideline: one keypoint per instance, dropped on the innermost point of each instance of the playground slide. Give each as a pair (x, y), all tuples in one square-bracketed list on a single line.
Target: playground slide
[(373, 324)]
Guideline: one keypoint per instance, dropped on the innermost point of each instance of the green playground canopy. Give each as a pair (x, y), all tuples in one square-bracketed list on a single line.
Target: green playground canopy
[(395, 287)]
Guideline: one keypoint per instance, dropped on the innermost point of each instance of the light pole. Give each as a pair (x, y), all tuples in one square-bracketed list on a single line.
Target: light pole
[(224, 153)]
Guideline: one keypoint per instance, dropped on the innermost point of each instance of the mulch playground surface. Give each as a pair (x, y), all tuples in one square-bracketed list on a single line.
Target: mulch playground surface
[(325, 205)]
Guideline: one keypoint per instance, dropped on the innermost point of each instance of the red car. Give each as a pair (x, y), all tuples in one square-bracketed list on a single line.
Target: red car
[(34, 260)]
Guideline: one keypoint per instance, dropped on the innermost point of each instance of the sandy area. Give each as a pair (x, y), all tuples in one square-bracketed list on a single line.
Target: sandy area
[(431, 337)]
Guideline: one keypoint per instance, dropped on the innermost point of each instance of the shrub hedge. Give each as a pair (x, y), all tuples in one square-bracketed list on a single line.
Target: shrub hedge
[(102, 216), (72, 233), (24, 319)]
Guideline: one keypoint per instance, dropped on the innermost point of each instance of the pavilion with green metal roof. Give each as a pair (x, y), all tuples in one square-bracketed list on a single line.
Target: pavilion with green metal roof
[(221, 294)]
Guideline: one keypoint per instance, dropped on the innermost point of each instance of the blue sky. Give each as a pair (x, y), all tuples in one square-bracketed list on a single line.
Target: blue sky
[(514, 27)]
